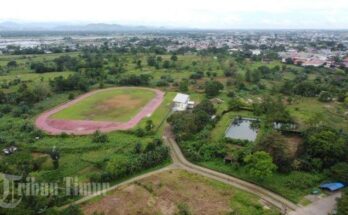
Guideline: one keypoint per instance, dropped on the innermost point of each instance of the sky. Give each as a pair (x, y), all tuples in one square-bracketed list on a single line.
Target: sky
[(205, 14)]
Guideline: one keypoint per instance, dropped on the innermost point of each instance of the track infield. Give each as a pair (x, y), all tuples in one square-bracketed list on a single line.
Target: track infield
[(105, 110)]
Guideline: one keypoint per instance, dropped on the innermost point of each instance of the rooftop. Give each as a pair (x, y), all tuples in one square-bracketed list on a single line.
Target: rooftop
[(181, 98)]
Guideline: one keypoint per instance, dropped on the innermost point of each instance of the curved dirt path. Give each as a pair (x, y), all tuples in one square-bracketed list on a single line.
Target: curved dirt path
[(83, 127), (180, 162)]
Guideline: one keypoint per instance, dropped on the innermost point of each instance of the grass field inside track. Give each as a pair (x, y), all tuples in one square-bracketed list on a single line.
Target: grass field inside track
[(119, 105)]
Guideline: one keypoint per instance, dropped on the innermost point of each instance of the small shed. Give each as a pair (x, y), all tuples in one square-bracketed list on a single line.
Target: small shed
[(334, 186), (228, 159)]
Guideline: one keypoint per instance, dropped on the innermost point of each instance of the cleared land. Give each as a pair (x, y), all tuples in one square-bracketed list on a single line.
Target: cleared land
[(174, 191), (112, 105)]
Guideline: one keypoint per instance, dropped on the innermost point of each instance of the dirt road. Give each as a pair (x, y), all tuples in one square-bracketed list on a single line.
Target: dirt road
[(180, 162), (323, 206)]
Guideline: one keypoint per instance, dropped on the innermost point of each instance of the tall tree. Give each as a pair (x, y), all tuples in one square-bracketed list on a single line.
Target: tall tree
[(260, 164)]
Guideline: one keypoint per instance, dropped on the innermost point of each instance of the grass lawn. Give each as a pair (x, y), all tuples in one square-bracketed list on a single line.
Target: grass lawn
[(111, 105), (331, 114)]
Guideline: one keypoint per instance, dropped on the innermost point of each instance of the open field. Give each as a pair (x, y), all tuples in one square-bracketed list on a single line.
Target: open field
[(34, 76), (120, 104), (177, 191), (310, 110), (133, 111)]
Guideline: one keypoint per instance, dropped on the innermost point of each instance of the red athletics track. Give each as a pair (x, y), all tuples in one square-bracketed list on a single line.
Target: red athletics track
[(84, 127)]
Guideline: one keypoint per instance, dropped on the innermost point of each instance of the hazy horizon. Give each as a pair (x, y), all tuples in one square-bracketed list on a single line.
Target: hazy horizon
[(203, 14)]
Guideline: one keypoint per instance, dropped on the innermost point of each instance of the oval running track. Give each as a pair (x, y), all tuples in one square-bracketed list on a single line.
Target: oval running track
[(84, 127)]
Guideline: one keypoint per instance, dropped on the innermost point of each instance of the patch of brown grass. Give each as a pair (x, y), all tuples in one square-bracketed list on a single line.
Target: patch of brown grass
[(162, 193), (294, 144), (117, 102)]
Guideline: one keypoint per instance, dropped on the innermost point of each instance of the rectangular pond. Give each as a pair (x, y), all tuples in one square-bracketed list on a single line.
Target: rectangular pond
[(243, 129)]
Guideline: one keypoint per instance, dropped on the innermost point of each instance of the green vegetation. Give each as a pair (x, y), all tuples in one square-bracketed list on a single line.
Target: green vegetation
[(110, 105), (223, 85), (259, 164), (294, 186), (342, 204)]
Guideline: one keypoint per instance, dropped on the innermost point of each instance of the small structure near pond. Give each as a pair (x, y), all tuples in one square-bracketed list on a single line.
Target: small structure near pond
[(242, 129), (285, 126)]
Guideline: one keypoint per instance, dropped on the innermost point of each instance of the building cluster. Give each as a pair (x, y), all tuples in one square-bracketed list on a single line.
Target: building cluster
[(307, 48), (314, 58)]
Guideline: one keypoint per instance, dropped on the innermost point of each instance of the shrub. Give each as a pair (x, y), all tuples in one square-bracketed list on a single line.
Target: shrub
[(98, 137)]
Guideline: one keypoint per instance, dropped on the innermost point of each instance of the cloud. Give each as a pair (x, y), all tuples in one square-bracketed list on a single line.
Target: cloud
[(185, 13)]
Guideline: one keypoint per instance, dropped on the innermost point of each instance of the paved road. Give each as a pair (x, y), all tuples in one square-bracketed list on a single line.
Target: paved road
[(323, 206), (180, 162)]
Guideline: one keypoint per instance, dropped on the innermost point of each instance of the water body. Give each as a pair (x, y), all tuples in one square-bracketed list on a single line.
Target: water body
[(242, 129)]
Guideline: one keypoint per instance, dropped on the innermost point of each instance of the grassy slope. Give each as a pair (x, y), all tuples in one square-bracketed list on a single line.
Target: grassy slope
[(87, 108)]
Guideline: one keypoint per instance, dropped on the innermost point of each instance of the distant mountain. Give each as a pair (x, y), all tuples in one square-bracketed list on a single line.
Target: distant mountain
[(94, 27), (101, 27)]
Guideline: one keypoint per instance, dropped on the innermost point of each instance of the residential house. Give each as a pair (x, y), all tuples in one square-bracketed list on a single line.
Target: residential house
[(182, 102)]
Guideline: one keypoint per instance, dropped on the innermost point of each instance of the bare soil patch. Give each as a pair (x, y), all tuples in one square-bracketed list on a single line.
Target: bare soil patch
[(294, 144), (162, 193), (121, 102)]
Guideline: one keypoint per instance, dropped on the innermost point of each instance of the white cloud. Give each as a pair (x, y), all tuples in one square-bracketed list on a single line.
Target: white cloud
[(192, 13)]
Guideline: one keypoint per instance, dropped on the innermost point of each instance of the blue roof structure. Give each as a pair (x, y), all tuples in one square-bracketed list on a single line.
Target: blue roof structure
[(332, 186)]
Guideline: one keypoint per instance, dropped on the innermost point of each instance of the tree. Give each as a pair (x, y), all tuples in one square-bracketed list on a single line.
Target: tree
[(166, 64), (151, 61), (41, 92), (99, 137), (274, 109), (325, 96), (235, 104), (12, 63), (174, 58), (248, 77), (306, 88), (149, 125), (139, 66), (183, 86), (275, 144), (342, 204), (339, 172), (213, 88), (3, 97), (260, 164), (325, 144), (206, 106), (138, 148), (55, 156)]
